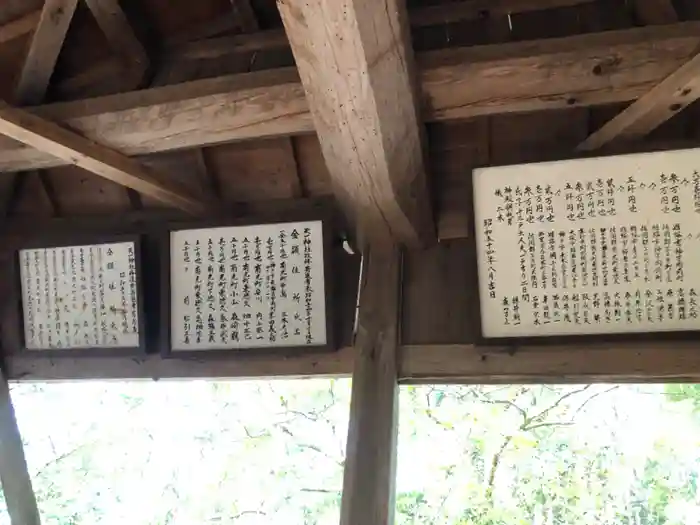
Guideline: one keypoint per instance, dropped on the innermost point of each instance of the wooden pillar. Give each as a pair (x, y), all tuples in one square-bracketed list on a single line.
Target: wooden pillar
[(370, 465), (16, 483)]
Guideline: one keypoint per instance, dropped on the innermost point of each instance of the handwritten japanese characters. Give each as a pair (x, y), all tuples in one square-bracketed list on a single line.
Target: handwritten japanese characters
[(80, 297), (593, 246), (242, 287)]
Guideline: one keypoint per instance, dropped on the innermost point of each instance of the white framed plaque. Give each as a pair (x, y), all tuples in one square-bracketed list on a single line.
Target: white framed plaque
[(248, 287), (607, 245), (81, 297)]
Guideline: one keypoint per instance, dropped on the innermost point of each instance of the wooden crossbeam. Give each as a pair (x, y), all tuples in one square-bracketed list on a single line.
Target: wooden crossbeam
[(480, 9), (418, 17), (47, 42), (358, 82), (370, 468), (14, 476), (578, 71), (52, 26), (200, 44), (120, 35), (54, 140), (20, 26), (652, 12), (652, 109), (662, 361)]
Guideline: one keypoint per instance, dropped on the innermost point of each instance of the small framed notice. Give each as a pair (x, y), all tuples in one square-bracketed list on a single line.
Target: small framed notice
[(261, 286), (607, 245), (82, 297)]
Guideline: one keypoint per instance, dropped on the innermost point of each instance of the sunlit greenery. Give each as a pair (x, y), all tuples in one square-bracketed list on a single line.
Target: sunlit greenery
[(254, 453)]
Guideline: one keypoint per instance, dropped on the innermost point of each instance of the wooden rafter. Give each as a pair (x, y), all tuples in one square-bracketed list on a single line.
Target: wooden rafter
[(16, 483), (480, 9), (652, 109), (20, 26), (201, 43), (556, 73), (121, 37), (44, 49), (652, 12), (358, 84), (74, 149), (52, 25)]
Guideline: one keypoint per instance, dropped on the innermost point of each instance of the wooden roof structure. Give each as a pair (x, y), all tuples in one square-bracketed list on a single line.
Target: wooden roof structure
[(121, 115)]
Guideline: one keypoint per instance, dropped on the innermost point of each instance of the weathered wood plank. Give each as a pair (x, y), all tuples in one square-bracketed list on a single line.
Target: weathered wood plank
[(421, 363), (71, 147), (439, 305), (45, 47), (16, 483), (482, 9), (120, 35), (584, 70), (652, 12), (20, 26), (370, 467), (571, 363), (670, 96), (359, 86)]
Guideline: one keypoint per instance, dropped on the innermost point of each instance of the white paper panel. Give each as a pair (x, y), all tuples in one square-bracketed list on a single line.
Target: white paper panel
[(80, 297), (248, 287), (593, 246)]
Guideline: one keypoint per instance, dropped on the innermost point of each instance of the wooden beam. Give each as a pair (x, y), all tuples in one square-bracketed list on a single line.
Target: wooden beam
[(482, 9), (651, 12), (20, 26), (46, 45), (437, 363), (652, 109), (370, 467), (16, 482), (571, 363), (583, 70), (74, 149), (243, 11), (358, 82), (273, 39), (120, 35), (36, 368), (44, 48)]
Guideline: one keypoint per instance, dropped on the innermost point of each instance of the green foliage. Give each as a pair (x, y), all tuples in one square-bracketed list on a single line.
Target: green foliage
[(254, 453)]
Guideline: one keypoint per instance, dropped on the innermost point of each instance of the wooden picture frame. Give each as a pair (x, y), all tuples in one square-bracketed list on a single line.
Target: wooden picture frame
[(517, 341), (319, 212), (14, 336)]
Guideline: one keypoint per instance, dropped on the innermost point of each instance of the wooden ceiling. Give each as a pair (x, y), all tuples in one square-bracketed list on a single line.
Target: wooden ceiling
[(200, 105)]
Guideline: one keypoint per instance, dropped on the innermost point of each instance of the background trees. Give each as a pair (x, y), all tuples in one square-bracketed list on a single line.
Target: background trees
[(273, 452)]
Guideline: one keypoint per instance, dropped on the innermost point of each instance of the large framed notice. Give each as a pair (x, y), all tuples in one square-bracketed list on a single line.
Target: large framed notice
[(607, 245), (81, 297), (248, 287)]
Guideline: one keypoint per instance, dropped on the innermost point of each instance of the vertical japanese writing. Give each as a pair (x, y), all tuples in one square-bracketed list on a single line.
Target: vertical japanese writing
[(271, 286), (198, 293), (187, 317), (247, 315), (222, 284), (584, 257), (211, 298), (308, 284), (490, 257), (531, 246)]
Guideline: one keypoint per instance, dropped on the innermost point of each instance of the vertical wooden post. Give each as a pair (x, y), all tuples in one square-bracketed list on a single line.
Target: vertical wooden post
[(16, 483), (370, 465)]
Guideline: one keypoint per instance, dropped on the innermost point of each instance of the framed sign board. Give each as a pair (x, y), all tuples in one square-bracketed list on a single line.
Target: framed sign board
[(261, 286), (607, 245), (84, 297)]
